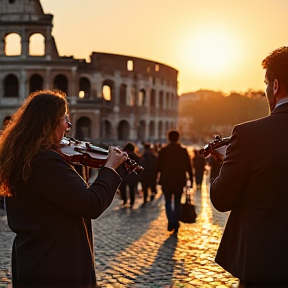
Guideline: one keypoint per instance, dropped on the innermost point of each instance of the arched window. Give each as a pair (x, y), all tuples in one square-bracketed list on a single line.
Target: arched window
[(141, 97), (13, 44), (161, 99), (141, 135), (36, 83), (83, 129), (160, 130), (153, 98), (84, 88), (123, 130), (61, 83), (152, 129), (132, 96), (107, 90), (122, 96), (106, 131), (37, 45), (11, 86), (130, 65), (167, 101)]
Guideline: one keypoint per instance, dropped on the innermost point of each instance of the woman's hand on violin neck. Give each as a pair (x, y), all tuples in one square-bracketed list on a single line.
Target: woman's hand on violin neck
[(115, 157)]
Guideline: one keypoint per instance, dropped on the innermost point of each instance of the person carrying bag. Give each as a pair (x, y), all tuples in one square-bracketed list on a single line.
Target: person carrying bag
[(187, 210)]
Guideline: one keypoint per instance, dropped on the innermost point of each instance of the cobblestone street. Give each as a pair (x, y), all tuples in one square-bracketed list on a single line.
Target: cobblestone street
[(133, 248)]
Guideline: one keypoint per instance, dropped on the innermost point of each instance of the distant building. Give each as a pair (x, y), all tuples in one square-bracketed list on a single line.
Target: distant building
[(112, 99), (186, 125)]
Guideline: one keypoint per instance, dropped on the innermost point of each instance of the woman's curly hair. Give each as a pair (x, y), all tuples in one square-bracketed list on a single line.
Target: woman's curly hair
[(31, 129)]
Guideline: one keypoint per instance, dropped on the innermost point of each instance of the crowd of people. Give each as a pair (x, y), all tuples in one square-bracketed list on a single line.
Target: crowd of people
[(50, 206)]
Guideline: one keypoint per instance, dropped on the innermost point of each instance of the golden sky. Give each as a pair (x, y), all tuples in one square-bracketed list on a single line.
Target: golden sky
[(214, 44)]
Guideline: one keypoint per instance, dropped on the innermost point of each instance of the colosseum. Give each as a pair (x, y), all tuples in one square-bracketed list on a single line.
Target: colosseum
[(112, 98)]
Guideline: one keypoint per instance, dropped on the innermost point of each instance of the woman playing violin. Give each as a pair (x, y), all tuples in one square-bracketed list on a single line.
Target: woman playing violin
[(47, 201)]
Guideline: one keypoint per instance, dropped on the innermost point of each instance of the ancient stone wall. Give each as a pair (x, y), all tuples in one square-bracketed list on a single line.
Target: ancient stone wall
[(112, 99)]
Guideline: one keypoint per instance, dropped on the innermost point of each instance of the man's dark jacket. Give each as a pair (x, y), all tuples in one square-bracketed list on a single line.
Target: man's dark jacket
[(253, 184), (173, 163)]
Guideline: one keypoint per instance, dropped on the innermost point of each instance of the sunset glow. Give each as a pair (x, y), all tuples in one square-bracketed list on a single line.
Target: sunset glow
[(213, 51), (214, 44)]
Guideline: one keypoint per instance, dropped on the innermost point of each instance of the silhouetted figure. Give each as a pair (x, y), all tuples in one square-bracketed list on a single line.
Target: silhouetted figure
[(199, 163), (148, 176), (129, 180), (253, 185), (172, 164)]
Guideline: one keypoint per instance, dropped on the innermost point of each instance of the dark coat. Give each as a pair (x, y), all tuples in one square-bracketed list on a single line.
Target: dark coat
[(131, 178), (253, 185), (51, 247), (199, 163), (173, 162), (148, 162)]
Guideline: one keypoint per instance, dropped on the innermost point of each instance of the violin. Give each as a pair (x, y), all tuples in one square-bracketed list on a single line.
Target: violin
[(214, 144), (84, 153)]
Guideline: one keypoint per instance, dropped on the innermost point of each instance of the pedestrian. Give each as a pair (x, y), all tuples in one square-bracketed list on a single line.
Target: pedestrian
[(172, 164), (199, 164), (148, 176), (253, 184), (130, 180), (47, 201)]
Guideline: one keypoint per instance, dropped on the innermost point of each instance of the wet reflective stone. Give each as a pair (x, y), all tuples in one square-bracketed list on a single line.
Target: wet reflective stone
[(133, 248)]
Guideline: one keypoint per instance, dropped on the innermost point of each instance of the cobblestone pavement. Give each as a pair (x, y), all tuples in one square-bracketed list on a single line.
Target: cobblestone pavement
[(133, 248)]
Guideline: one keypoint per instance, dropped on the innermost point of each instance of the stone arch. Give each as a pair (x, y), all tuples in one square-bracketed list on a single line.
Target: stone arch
[(160, 130), (123, 130), (172, 101), (142, 97), (36, 44), (132, 96), (12, 45), (161, 99), (106, 131), (167, 127), (61, 83), (36, 83), (167, 100), (11, 86), (141, 135), (108, 90), (84, 88), (152, 129), (153, 98), (123, 94), (83, 129)]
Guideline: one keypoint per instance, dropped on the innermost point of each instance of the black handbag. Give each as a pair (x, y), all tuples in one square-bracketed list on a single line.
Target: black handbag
[(187, 210)]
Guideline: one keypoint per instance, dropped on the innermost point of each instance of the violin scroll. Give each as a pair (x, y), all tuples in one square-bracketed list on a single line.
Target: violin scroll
[(215, 144)]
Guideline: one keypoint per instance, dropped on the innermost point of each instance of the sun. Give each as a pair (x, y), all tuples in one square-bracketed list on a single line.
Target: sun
[(211, 51)]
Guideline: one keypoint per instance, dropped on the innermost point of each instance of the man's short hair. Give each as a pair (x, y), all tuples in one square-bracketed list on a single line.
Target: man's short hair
[(276, 65), (173, 136)]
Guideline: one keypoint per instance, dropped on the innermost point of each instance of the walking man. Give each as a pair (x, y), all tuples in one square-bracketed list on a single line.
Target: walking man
[(172, 164)]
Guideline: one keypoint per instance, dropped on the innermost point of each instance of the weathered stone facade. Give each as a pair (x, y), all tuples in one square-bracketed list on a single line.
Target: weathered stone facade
[(112, 99)]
